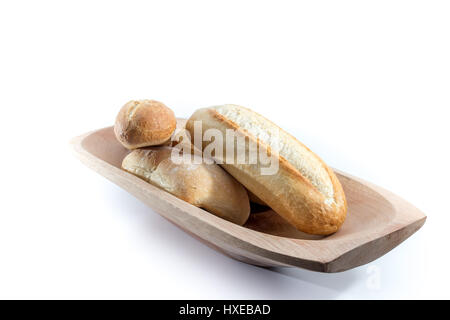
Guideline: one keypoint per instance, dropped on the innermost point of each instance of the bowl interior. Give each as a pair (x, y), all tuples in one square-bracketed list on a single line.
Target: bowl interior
[(368, 211)]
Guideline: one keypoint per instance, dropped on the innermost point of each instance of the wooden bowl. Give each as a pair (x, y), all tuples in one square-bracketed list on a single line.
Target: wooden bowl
[(377, 220)]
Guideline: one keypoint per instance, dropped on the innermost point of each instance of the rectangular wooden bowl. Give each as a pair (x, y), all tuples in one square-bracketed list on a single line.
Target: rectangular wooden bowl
[(377, 220)]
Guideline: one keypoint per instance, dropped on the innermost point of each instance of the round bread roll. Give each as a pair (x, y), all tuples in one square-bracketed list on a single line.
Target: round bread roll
[(144, 123), (206, 186)]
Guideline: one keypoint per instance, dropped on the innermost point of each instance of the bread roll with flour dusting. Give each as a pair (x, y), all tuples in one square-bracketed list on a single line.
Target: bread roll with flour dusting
[(204, 185), (143, 123), (304, 190)]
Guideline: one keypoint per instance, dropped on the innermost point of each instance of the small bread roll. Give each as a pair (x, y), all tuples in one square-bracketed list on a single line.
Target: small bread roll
[(144, 123), (204, 185)]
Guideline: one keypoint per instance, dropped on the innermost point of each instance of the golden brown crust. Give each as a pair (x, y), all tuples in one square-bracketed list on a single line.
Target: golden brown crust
[(144, 123), (287, 192), (204, 185)]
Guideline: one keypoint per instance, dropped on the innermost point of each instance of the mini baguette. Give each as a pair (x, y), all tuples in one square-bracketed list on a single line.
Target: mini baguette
[(304, 190), (204, 185)]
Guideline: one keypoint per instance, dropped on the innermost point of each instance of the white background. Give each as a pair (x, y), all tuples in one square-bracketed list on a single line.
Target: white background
[(366, 85)]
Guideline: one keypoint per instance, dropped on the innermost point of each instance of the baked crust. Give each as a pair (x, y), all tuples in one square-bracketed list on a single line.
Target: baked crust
[(204, 185), (144, 123), (288, 192)]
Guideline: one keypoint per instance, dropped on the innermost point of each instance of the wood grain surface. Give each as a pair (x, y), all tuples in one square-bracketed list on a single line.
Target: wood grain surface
[(377, 220)]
